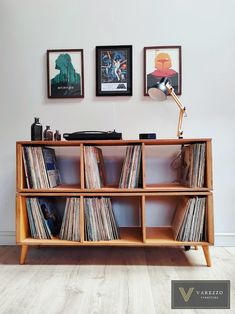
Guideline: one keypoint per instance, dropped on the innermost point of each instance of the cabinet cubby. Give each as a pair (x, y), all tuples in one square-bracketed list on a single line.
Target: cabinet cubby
[(160, 211), (143, 214)]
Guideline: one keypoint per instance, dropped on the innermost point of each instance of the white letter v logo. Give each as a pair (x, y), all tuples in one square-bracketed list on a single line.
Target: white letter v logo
[(185, 295)]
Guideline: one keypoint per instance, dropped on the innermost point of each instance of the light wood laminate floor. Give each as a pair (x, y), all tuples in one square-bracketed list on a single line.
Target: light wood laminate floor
[(105, 280)]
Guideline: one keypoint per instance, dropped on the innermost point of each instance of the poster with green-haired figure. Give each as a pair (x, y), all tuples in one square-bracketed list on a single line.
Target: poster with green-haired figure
[(65, 73)]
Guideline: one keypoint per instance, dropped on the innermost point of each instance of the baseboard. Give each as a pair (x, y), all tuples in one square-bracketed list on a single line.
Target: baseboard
[(221, 239), (225, 239), (7, 238)]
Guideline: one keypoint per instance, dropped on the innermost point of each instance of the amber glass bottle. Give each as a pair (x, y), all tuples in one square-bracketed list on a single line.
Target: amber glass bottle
[(48, 134), (36, 130)]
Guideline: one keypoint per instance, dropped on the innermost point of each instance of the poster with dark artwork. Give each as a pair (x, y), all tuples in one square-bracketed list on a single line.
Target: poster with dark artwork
[(162, 61), (114, 71), (65, 73)]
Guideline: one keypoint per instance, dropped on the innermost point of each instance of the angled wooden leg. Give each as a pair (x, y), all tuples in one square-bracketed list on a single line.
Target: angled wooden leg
[(207, 255), (196, 247), (23, 254)]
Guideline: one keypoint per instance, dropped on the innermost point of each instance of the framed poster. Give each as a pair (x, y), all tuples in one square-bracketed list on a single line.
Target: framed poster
[(162, 61), (114, 71), (65, 77)]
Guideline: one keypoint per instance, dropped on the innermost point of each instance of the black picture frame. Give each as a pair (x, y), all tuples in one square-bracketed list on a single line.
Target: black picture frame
[(172, 68), (114, 70), (65, 73)]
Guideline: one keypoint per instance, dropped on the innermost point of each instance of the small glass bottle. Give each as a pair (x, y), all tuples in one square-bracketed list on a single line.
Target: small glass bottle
[(57, 136), (36, 130), (48, 134)]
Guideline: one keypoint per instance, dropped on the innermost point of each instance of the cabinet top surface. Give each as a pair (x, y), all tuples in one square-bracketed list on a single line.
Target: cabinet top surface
[(117, 142)]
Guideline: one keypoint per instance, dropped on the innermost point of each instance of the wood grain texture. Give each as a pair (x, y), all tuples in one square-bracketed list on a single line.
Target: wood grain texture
[(143, 218), (105, 280), (209, 176), (210, 217), (23, 253), (82, 168), (143, 168), (207, 255), (19, 168), (143, 236), (172, 141)]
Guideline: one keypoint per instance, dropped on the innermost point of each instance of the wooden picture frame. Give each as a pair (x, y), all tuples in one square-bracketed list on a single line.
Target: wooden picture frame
[(163, 61), (114, 70), (65, 73)]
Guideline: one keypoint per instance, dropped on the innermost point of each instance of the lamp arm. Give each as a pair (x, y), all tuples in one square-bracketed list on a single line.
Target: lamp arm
[(181, 114)]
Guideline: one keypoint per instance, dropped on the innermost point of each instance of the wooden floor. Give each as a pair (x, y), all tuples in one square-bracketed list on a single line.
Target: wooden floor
[(108, 280)]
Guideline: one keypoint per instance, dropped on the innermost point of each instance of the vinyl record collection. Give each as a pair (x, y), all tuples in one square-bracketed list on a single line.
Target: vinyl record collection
[(131, 167), (190, 220), (193, 165), (40, 167), (100, 223), (99, 220), (94, 167), (70, 229), (38, 225)]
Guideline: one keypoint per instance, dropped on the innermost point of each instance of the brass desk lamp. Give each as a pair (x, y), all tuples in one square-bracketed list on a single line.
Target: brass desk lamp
[(160, 92)]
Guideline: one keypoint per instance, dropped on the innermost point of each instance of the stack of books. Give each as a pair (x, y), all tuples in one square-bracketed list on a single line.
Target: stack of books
[(43, 219), (189, 220), (193, 165), (131, 168), (70, 229), (40, 167), (100, 223), (94, 167)]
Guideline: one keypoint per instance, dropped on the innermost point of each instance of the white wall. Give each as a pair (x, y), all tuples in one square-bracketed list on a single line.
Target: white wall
[(204, 29)]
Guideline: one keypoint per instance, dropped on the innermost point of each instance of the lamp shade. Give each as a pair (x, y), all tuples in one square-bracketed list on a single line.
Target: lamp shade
[(160, 90)]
